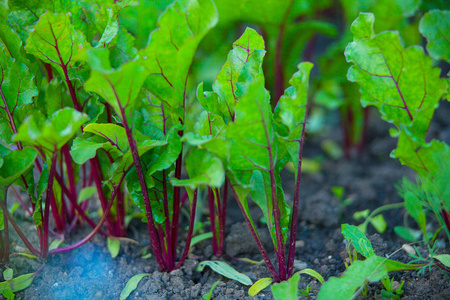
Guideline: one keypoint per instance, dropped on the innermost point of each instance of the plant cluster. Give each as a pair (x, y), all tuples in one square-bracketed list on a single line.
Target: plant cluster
[(103, 119)]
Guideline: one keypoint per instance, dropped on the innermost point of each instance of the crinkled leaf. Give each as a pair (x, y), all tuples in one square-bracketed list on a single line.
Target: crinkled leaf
[(172, 46), (252, 133), (358, 240), (54, 132), (291, 108), (226, 270), (225, 97), (419, 155), (56, 41), (435, 27), (204, 168), (401, 82), (16, 90), (16, 164), (119, 87)]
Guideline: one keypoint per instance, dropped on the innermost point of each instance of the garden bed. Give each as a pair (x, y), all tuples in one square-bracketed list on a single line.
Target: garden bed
[(89, 272)]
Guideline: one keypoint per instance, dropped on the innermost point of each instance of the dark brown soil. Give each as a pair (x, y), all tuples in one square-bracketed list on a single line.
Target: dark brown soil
[(90, 273)]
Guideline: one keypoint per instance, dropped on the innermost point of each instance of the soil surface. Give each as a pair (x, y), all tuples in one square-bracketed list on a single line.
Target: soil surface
[(90, 273)]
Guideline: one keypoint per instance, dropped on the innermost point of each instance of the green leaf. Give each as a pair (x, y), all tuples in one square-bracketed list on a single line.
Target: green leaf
[(379, 223), (225, 86), (204, 168), (407, 233), (201, 237), (113, 247), (86, 193), (113, 133), (119, 87), (358, 240), (85, 146), (132, 285), (435, 27), (287, 290), (291, 109), (400, 82), (17, 89), (54, 40), (312, 273), (171, 49), (16, 164), (443, 258), (259, 286), (53, 133), (252, 133), (8, 274), (209, 295), (55, 244), (226, 270), (17, 284), (372, 269)]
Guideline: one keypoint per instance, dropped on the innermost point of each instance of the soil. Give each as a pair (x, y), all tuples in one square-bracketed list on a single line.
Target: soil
[(90, 273)]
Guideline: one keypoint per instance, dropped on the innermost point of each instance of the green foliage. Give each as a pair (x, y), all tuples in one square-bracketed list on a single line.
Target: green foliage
[(358, 274), (132, 285), (435, 27), (287, 289), (226, 270)]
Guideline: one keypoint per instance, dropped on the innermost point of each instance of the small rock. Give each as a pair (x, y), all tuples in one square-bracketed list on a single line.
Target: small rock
[(316, 261), (301, 265), (300, 244)]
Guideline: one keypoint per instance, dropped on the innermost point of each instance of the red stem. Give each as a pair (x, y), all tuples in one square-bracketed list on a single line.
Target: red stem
[(170, 258), (17, 229), (176, 203), (80, 210), (255, 235), (21, 201), (223, 217), (212, 220), (95, 169), (296, 206), (99, 225), (190, 231), (137, 163), (44, 250)]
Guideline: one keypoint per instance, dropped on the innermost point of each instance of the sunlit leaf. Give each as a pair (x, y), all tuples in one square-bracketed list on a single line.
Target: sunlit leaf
[(435, 26)]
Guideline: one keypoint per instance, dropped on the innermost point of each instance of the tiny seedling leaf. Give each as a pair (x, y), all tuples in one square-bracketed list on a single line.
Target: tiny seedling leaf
[(312, 273), (379, 223), (209, 295), (259, 286), (113, 247), (358, 240), (132, 285), (226, 270), (287, 290), (201, 237)]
